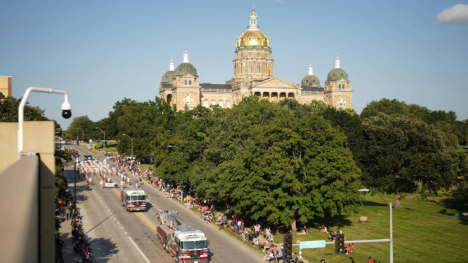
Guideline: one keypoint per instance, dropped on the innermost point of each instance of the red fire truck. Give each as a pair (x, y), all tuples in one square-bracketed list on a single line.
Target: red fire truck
[(133, 199), (184, 243)]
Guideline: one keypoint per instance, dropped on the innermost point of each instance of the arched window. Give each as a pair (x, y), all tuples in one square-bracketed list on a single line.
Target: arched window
[(228, 104), (342, 86), (250, 67), (258, 67), (306, 103), (205, 104), (221, 103), (183, 100), (258, 54), (339, 86), (213, 102), (250, 55), (307, 82), (185, 82), (190, 82), (187, 98), (191, 99)]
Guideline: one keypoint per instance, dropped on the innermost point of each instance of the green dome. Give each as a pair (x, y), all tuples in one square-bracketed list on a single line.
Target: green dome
[(310, 80), (184, 69), (168, 76), (337, 74)]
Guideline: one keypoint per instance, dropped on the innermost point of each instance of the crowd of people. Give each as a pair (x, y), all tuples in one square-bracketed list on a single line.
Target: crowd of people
[(65, 211)]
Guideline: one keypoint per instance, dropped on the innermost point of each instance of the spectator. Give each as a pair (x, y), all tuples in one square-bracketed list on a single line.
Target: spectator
[(323, 229), (323, 260)]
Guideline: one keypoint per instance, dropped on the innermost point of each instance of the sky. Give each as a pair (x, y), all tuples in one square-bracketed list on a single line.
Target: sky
[(100, 52)]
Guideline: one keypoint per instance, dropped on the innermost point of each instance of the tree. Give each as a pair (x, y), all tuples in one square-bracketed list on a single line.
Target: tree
[(444, 121), (401, 151), (9, 110), (273, 161)]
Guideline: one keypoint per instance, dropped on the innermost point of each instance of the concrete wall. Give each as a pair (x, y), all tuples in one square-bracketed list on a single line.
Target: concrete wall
[(19, 224), (38, 137), (5, 85)]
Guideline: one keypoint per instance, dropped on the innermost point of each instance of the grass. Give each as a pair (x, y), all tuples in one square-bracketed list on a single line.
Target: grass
[(420, 234), (463, 149)]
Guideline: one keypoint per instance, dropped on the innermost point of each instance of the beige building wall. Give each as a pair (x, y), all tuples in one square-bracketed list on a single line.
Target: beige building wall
[(39, 138), (5, 85)]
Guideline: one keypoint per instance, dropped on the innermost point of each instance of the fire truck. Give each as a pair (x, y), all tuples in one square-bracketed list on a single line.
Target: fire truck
[(184, 243), (133, 199)]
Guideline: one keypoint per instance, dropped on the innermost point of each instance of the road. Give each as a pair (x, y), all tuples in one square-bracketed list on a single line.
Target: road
[(120, 236)]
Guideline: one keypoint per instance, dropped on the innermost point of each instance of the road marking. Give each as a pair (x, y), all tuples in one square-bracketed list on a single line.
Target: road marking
[(121, 227), (125, 233), (118, 223), (143, 255)]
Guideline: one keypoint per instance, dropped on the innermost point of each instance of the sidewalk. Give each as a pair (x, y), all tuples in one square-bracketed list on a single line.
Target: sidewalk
[(67, 251)]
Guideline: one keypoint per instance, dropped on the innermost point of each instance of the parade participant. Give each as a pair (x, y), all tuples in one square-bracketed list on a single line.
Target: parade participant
[(89, 181), (121, 184)]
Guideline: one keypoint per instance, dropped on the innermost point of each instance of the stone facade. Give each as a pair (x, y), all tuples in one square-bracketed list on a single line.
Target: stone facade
[(253, 75)]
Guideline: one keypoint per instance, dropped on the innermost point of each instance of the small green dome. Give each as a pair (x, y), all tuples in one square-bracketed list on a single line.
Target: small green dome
[(168, 76), (184, 69), (310, 80), (337, 74)]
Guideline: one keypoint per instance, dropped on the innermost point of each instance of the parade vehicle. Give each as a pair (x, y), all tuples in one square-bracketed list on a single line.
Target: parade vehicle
[(133, 199), (184, 243)]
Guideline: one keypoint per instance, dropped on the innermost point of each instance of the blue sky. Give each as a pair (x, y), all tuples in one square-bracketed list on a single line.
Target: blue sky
[(102, 51)]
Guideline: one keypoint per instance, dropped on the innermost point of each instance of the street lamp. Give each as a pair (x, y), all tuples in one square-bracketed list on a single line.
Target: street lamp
[(82, 133), (66, 112), (391, 224), (74, 200), (104, 136), (132, 143)]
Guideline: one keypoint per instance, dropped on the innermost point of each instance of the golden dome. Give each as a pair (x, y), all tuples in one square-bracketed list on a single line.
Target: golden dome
[(253, 39)]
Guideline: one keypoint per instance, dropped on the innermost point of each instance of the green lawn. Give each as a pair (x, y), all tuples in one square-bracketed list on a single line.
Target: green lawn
[(463, 149), (420, 234)]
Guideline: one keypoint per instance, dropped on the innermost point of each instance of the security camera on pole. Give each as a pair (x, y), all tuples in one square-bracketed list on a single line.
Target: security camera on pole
[(66, 112)]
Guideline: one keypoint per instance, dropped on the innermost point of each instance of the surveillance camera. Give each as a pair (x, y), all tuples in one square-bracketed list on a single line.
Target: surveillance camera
[(66, 114), (66, 109)]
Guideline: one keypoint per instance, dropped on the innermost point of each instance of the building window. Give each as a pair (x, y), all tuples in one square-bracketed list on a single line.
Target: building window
[(258, 67), (250, 67), (228, 104), (307, 82), (258, 54), (250, 55), (213, 102), (242, 55), (205, 104), (188, 98), (221, 104), (183, 100), (191, 99), (185, 82), (190, 82), (339, 86)]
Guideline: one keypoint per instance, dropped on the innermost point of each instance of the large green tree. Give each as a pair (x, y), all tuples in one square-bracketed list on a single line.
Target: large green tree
[(275, 162), (9, 110), (401, 151)]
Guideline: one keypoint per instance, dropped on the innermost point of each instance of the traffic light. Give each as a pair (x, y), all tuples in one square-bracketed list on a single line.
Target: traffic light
[(287, 247), (339, 244)]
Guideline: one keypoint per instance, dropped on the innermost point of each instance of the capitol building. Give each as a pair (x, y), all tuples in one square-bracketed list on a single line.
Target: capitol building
[(253, 75)]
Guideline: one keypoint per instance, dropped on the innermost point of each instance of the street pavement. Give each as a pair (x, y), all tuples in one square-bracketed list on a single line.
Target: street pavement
[(120, 236)]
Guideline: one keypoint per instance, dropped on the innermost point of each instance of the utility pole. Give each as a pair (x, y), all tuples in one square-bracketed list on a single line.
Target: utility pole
[(104, 136)]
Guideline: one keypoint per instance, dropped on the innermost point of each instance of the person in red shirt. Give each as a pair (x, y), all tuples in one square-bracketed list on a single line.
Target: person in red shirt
[(371, 260)]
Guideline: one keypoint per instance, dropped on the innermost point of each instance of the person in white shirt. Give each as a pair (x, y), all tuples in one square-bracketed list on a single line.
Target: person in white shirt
[(102, 183)]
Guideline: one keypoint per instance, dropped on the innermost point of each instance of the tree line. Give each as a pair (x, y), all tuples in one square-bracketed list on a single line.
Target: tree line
[(285, 160)]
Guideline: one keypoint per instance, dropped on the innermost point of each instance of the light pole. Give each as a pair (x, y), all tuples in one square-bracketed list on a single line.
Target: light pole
[(104, 136), (74, 200), (391, 223), (66, 112), (132, 143)]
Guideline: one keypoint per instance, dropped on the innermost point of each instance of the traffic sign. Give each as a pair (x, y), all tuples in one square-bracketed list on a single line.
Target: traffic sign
[(312, 244)]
